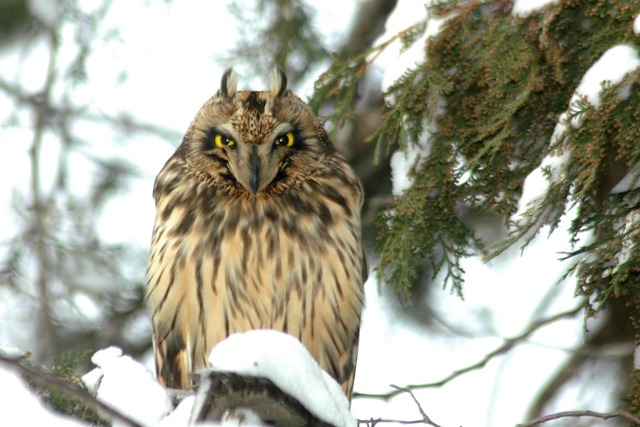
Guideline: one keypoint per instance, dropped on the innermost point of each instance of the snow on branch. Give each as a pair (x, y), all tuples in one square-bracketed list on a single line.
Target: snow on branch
[(39, 376)]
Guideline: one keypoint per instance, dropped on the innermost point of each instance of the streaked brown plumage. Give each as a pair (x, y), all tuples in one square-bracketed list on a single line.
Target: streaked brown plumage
[(257, 227)]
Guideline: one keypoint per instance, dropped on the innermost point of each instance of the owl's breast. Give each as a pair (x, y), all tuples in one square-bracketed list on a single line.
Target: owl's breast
[(291, 263)]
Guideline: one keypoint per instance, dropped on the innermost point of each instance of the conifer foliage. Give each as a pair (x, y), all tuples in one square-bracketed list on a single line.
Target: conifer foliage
[(490, 93), (493, 100)]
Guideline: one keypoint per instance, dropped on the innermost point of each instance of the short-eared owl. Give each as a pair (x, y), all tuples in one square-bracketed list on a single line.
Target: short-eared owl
[(257, 227)]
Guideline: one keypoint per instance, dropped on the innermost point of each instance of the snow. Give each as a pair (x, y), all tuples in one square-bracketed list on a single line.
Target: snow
[(19, 406), (402, 161), (180, 416), (395, 61), (630, 232), (630, 181), (121, 381), (522, 8), (242, 417), (537, 183), (636, 25), (287, 363), (609, 69)]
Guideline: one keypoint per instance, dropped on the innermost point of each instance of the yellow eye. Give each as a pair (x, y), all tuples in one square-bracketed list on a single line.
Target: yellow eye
[(222, 141), (286, 139)]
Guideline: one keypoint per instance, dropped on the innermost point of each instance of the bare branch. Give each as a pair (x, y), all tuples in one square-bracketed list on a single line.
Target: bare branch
[(507, 345), (82, 395), (578, 414), (425, 417), (372, 422)]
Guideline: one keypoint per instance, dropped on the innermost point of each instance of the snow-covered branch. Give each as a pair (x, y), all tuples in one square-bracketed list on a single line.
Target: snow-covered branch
[(68, 389)]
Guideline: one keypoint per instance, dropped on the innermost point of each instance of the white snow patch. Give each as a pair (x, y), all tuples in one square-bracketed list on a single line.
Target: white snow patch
[(128, 387), (630, 181), (92, 379), (522, 8), (401, 163), (286, 362), (180, 416), (242, 417), (636, 25), (630, 232), (21, 407), (636, 358), (611, 66), (12, 352), (536, 184), (624, 91), (394, 61)]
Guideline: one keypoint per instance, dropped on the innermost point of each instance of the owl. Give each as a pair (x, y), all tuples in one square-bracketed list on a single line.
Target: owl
[(257, 227)]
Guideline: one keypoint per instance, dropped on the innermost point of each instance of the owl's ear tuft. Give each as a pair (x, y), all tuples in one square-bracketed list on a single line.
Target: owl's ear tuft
[(229, 83), (277, 82)]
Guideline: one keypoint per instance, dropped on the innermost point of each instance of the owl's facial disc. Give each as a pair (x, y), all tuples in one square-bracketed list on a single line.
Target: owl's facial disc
[(255, 166)]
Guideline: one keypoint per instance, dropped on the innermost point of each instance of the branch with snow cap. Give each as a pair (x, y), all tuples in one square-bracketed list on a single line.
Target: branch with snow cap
[(257, 364), (548, 183)]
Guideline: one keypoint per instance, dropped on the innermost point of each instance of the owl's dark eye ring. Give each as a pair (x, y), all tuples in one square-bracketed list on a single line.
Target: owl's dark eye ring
[(285, 140), (222, 141)]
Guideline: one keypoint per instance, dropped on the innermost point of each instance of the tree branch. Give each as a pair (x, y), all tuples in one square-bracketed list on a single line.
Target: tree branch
[(578, 414), (41, 203), (82, 395), (507, 345), (372, 422), (425, 417)]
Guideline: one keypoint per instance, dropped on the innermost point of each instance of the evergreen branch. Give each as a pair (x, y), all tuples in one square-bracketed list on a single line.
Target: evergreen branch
[(578, 414), (507, 345), (378, 49), (76, 392)]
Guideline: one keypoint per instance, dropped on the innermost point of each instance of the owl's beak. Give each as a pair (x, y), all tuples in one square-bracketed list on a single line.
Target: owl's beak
[(253, 167), (254, 177)]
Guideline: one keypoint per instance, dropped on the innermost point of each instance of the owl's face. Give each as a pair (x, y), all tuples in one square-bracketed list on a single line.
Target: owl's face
[(255, 143)]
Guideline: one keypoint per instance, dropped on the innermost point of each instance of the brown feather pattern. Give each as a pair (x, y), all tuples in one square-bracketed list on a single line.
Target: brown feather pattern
[(226, 260)]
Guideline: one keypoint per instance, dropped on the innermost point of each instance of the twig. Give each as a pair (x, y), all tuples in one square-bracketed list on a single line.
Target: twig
[(507, 345), (18, 364), (425, 417), (372, 422), (577, 414)]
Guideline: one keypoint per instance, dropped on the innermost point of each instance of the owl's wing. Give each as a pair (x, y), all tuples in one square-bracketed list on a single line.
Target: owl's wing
[(365, 266), (350, 365), (172, 359), (347, 386)]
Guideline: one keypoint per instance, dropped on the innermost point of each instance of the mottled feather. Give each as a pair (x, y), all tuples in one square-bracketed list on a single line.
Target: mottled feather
[(257, 227)]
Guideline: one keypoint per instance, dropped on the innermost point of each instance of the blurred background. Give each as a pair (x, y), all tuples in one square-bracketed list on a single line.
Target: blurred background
[(95, 97)]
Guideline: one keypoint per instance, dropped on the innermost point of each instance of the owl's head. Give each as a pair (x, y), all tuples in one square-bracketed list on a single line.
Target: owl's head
[(255, 142)]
